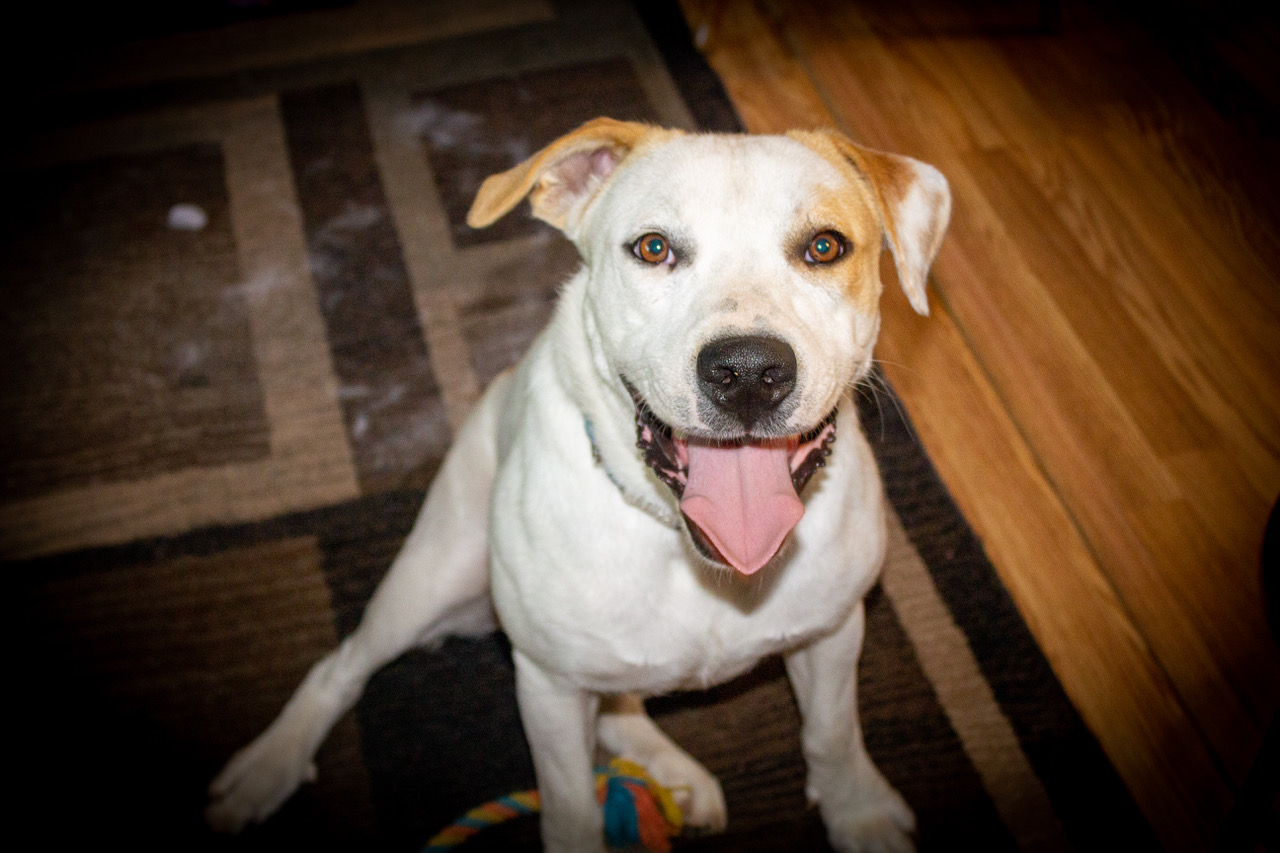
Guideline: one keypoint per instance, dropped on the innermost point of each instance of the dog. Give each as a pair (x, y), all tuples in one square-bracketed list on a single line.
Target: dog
[(654, 498)]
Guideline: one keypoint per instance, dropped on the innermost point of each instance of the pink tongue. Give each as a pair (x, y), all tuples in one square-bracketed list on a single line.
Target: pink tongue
[(741, 497)]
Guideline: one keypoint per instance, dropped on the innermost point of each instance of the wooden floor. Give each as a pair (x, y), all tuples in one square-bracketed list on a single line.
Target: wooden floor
[(1098, 381)]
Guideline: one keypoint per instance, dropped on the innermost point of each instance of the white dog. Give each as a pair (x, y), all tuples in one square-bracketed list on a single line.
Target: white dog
[(653, 499)]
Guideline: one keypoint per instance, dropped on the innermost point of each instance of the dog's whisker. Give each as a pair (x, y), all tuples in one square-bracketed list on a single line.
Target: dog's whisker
[(877, 378)]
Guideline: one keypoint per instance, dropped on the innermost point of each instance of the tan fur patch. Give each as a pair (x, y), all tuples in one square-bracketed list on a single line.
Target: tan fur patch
[(554, 192), (912, 200), (856, 215)]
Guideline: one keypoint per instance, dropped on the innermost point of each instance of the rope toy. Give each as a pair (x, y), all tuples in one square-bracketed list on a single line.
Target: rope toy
[(637, 810)]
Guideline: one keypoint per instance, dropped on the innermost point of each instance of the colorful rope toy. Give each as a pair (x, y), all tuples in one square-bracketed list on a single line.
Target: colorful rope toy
[(637, 810)]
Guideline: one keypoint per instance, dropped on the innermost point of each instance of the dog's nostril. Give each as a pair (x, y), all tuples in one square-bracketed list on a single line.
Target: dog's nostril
[(747, 376)]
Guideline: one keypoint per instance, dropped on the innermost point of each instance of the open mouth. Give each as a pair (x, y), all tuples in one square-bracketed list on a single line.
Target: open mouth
[(741, 497)]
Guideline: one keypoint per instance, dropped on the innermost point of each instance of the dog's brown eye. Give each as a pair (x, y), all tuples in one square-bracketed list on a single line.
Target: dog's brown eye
[(824, 248), (653, 248)]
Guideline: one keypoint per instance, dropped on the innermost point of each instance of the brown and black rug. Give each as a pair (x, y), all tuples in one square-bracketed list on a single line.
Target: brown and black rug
[(242, 317)]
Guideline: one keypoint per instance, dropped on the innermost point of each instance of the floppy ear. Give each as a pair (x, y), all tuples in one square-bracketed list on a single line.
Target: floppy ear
[(914, 202), (562, 177)]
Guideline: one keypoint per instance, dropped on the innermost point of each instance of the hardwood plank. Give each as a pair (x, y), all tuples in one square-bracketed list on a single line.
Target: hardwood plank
[(1056, 115), (1205, 274), (1168, 84), (1116, 220), (1174, 218), (1149, 382)]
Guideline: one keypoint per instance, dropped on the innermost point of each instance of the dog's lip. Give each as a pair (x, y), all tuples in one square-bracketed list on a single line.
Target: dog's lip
[(798, 445), (666, 452)]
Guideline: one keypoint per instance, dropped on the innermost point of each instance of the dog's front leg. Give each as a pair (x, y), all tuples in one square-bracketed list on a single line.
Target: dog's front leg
[(626, 731), (438, 585), (861, 809), (560, 723)]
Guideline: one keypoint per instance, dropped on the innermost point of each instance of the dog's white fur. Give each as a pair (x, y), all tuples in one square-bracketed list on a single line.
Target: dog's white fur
[(570, 540)]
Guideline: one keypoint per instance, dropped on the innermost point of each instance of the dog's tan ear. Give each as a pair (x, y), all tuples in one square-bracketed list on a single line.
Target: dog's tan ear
[(915, 206), (562, 177)]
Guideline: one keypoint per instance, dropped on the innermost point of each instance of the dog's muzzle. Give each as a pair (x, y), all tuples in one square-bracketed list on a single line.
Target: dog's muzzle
[(741, 497)]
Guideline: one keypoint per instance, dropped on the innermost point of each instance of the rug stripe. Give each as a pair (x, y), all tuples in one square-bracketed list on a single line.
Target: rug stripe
[(395, 423), (423, 227), (965, 696), (912, 740)]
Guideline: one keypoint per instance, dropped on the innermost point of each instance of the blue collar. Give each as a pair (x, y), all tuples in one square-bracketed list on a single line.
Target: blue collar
[(658, 513)]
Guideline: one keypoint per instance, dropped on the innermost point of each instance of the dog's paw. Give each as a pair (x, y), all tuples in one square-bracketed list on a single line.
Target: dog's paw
[(876, 833), (882, 823), (695, 790), (862, 811), (255, 782)]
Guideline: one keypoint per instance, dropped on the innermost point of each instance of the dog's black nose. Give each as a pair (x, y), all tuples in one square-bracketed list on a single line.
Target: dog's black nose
[(747, 376)]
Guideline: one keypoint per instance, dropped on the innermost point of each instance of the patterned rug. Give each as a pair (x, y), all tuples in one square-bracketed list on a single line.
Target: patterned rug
[(242, 318)]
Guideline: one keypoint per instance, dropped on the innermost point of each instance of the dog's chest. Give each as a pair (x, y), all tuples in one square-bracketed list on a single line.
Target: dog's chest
[(667, 627), (673, 650)]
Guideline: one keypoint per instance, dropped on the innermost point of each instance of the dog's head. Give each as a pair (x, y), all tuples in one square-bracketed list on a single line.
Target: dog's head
[(733, 292)]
